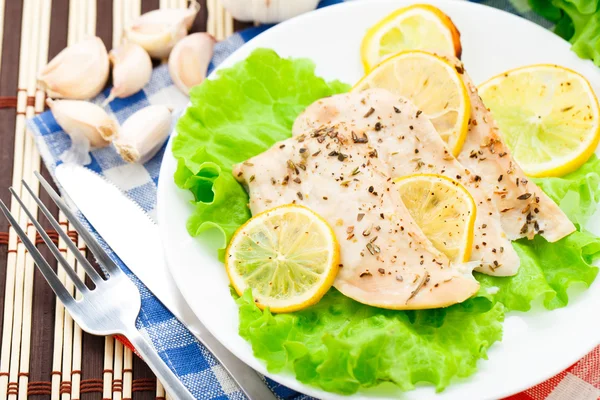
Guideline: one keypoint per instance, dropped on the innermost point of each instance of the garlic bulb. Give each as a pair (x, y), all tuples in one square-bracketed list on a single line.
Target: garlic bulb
[(78, 72), (143, 133), (189, 60), (132, 69), (86, 123), (157, 31), (268, 11)]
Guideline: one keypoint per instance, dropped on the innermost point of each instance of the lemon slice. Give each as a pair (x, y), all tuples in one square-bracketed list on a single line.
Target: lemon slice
[(433, 85), (443, 209), (548, 116), (288, 256), (417, 27)]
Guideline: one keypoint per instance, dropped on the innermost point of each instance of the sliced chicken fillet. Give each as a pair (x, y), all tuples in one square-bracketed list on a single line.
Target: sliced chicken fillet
[(407, 143), (524, 208), (386, 259)]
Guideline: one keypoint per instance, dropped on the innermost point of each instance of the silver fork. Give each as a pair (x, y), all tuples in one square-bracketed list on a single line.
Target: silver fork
[(112, 306)]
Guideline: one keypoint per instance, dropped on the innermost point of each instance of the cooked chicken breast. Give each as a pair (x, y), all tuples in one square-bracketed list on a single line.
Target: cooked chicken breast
[(386, 259), (407, 143), (524, 208)]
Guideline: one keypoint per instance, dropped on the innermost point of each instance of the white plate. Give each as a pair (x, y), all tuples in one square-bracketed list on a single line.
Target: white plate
[(536, 345)]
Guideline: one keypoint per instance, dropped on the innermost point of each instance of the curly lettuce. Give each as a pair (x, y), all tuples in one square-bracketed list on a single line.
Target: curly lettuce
[(547, 271), (577, 193), (342, 345), (338, 344), (577, 21)]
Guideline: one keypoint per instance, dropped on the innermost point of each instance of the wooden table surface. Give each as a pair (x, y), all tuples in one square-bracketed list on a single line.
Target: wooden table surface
[(92, 374)]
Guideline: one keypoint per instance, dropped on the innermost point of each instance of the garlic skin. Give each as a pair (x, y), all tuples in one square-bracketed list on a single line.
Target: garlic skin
[(267, 11), (88, 125), (143, 134), (79, 71), (132, 69), (189, 60), (157, 31)]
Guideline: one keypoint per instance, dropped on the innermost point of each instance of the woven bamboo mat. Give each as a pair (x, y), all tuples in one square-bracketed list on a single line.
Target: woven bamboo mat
[(43, 354)]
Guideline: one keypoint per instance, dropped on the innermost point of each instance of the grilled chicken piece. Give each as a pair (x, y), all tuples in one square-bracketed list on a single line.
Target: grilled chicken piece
[(386, 259), (524, 208), (407, 143)]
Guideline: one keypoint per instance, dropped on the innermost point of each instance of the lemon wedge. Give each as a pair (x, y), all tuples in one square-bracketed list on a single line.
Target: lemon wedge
[(443, 209), (288, 256), (417, 27), (548, 116), (433, 85)]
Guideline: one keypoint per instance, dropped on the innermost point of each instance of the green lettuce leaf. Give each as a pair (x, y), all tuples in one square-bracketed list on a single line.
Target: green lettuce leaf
[(546, 9), (341, 345), (577, 193), (577, 21), (586, 28), (547, 271), (234, 117)]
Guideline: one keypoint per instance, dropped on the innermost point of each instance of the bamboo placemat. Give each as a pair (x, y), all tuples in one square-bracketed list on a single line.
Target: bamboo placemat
[(43, 353)]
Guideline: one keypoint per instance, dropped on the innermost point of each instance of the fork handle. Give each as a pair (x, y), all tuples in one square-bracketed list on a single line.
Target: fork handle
[(162, 371)]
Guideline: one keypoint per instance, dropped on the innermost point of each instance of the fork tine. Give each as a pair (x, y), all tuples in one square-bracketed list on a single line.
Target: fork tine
[(92, 273), (103, 259), (42, 265), (68, 268)]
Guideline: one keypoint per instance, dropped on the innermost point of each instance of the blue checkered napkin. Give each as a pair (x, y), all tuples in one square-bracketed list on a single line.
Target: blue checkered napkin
[(192, 363)]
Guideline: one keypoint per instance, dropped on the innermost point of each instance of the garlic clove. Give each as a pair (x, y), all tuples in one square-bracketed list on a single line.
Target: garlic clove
[(189, 60), (78, 72), (132, 69), (84, 119), (157, 31), (88, 125), (143, 133), (267, 11), (157, 40)]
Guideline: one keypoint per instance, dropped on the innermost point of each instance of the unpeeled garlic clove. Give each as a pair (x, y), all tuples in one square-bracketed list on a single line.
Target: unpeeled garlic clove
[(267, 11), (78, 72), (189, 60), (86, 123), (143, 134), (84, 119), (132, 69), (157, 31)]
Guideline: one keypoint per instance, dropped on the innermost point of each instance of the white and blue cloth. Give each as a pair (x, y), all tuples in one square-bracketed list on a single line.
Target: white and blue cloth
[(190, 361)]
